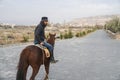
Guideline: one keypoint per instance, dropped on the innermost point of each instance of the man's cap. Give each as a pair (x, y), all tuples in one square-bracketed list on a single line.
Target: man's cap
[(44, 19)]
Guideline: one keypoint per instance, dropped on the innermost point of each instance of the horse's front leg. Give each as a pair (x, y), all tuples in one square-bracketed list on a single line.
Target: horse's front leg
[(47, 70)]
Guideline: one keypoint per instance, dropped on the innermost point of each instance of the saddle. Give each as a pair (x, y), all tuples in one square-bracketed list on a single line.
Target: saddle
[(46, 51)]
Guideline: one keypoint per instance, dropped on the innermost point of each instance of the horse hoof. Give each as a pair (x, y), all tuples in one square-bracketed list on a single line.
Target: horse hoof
[(46, 79)]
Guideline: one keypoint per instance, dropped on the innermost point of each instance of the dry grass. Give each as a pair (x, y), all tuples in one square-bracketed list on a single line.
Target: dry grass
[(8, 36), (19, 35)]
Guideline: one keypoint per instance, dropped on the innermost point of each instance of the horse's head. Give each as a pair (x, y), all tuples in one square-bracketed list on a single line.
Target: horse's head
[(51, 39)]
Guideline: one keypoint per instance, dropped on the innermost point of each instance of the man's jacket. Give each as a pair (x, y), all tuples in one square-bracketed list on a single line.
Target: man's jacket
[(39, 34)]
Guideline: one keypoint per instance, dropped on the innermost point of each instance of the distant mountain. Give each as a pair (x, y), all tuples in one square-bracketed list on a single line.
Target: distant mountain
[(92, 21)]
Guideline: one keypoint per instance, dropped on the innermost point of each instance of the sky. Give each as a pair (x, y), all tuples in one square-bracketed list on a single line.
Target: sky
[(29, 12)]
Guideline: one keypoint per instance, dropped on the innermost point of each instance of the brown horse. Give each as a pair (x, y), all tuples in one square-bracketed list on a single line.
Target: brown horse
[(35, 57)]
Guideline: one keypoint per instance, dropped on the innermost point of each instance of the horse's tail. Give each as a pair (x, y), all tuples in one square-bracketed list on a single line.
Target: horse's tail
[(22, 66)]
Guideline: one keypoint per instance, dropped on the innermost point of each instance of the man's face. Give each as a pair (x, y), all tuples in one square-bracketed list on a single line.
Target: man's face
[(45, 23)]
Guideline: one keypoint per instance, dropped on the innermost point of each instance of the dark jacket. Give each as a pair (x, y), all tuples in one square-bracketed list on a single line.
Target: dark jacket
[(39, 34)]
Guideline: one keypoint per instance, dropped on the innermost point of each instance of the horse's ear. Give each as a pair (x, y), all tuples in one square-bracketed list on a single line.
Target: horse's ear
[(54, 34), (49, 33)]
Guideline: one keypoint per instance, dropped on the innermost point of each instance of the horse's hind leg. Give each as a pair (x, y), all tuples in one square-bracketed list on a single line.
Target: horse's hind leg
[(25, 71), (47, 71), (34, 72)]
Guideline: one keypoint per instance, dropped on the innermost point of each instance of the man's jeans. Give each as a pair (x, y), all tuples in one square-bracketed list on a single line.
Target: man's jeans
[(50, 48)]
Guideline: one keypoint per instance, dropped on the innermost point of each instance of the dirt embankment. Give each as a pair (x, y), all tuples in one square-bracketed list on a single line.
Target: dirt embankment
[(114, 35)]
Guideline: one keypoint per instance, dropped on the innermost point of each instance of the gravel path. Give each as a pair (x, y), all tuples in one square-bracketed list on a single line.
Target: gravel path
[(93, 57)]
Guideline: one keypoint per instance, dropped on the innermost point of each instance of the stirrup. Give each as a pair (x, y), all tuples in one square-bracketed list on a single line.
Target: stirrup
[(54, 61)]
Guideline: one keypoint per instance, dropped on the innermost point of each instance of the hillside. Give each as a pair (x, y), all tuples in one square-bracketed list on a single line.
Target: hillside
[(92, 21)]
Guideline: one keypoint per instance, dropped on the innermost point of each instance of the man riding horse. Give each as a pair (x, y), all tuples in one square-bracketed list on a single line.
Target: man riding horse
[(40, 38)]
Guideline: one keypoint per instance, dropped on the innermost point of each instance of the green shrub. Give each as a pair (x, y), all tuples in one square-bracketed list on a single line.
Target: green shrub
[(84, 33), (81, 34), (25, 38), (61, 36), (77, 35), (65, 36), (89, 31), (70, 34), (113, 25)]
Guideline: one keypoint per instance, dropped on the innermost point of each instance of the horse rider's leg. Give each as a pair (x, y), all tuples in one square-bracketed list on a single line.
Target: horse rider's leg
[(50, 48), (34, 72), (25, 71), (47, 64)]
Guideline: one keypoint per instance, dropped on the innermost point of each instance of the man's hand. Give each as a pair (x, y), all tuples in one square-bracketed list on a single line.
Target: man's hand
[(41, 43)]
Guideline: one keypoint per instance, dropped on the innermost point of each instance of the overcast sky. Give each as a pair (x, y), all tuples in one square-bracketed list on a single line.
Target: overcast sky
[(28, 12)]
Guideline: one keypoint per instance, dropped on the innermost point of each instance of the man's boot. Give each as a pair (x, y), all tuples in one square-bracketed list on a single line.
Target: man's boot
[(52, 60)]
